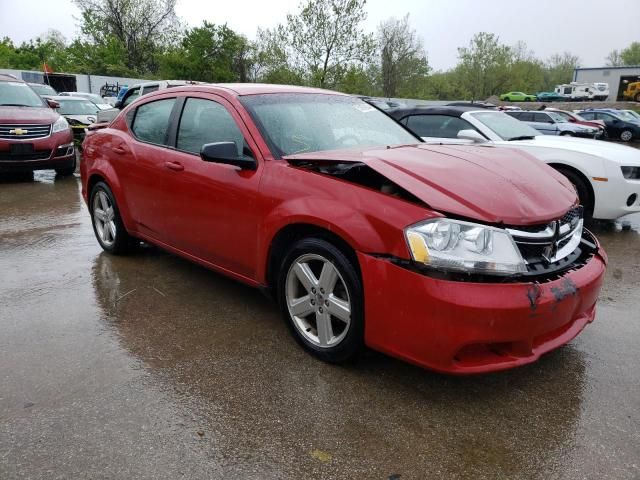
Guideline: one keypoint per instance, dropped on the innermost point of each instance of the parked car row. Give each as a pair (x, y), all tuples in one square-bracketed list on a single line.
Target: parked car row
[(596, 169), (573, 91), (466, 253)]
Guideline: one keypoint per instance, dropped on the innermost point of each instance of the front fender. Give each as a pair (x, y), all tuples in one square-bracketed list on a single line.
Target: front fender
[(364, 231)]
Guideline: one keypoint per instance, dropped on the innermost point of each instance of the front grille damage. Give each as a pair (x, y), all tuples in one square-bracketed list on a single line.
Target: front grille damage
[(550, 251)]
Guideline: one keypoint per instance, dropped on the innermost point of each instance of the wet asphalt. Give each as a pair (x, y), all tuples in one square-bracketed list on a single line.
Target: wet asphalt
[(149, 367)]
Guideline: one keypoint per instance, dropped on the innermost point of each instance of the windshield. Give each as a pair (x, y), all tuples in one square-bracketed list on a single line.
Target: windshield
[(505, 126), (300, 123), (43, 89), (76, 107), (19, 94), (624, 115)]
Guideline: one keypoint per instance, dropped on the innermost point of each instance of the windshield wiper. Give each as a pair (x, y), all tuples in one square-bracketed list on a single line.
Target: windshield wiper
[(521, 137)]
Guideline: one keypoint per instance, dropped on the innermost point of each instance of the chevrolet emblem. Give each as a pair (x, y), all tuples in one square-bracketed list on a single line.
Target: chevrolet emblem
[(18, 131)]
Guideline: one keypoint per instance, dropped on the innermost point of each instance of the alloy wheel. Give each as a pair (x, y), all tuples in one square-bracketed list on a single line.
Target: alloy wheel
[(626, 136), (318, 300), (104, 218)]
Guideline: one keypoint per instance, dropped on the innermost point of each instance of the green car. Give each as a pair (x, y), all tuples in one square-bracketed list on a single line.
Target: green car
[(517, 97), (549, 97)]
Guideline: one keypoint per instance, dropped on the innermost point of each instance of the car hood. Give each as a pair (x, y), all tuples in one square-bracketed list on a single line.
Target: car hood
[(86, 119), (485, 183), (621, 154), (33, 115)]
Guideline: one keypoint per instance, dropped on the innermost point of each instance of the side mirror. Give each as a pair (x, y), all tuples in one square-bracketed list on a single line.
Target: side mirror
[(227, 153), (118, 105), (52, 103), (572, 120), (472, 135)]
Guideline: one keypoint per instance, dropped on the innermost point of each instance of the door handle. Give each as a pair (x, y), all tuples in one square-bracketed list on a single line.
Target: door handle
[(120, 150), (176, 166)]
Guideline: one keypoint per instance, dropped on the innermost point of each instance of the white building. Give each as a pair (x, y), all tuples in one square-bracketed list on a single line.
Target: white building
[(616, 77)]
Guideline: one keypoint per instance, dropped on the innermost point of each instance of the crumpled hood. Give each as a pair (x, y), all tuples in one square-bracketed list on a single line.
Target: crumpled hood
[(489, 184), (26, 115)]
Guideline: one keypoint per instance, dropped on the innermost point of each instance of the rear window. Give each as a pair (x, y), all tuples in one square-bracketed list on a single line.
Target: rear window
[(19, 94)]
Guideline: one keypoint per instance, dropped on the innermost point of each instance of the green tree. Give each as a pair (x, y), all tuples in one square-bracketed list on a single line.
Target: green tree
[(559, 69), (271, 62), (211, 53), (140, 29), (483, 66), (614, 59), (403, 61), (325, 39), (631, 54)]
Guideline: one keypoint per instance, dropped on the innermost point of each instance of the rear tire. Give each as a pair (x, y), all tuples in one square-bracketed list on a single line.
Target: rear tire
[(566, 134), (320, 295), (585, 197), (107, 222)]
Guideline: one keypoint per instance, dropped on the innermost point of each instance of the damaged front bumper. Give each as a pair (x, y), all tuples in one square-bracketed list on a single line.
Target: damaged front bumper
[(471, 327)]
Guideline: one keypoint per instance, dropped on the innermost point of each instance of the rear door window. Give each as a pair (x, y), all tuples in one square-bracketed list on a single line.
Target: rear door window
[(205, 121), (541, 118), (525, 116), (151, 121)]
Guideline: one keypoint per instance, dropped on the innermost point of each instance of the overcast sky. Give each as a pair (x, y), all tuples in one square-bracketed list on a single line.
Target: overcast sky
[(587, 28)]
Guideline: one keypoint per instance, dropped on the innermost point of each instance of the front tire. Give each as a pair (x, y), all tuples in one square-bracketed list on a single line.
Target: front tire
[(320, 295), (585, 196), (566, 134), (107, 222), (626, 135)]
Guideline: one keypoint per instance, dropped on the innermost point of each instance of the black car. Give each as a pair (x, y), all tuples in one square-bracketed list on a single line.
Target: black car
[(616, 123)]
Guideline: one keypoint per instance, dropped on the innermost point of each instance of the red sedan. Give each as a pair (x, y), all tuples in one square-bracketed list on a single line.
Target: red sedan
[(577, 119), (460, 259)]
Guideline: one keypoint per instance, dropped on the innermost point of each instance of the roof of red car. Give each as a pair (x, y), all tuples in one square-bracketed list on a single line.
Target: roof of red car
[(262, 88)]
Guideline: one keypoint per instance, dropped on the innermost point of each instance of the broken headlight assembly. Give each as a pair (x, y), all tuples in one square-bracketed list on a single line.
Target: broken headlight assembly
[(454, 245)]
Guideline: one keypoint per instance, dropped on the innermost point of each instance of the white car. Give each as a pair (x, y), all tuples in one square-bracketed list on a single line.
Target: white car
[(92, 97), (605, 175), (78, 111)]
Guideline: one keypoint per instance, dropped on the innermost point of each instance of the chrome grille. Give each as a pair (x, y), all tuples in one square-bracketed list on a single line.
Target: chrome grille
[(24, 131), (551, 242)]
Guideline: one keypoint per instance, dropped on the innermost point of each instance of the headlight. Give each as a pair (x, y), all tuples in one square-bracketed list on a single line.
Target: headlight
[(631, 173), (465, 247), (60, 125)]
